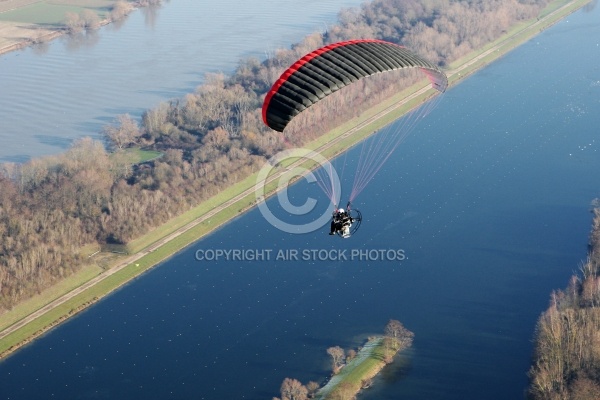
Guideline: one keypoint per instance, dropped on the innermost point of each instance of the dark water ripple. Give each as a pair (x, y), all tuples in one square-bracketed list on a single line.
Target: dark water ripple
[(80, 83)]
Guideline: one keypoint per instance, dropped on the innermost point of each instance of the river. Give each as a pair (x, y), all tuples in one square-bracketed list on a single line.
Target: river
[(72, 87), (489, 201)]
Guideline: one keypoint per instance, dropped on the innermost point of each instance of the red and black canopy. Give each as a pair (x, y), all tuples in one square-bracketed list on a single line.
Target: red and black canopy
[(328, 69)]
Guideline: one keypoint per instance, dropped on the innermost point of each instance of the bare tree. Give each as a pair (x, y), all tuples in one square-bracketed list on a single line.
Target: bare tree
[(337, 357), (120, 10), (73, 22), (292, 389), (312, 388), (397, 338), (350, 354), (155, 120), (89, 19), (402, 337), (124, 133), (584, 388)]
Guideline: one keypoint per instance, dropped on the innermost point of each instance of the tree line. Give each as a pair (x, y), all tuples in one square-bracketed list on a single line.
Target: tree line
[(566, 363), (51, 207), (89, 20)]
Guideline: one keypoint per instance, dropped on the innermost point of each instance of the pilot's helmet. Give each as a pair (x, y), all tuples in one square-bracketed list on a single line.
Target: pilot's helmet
[(341, 210)]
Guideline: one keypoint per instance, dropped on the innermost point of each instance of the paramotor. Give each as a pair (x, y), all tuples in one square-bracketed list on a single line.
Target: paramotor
[(328, 69)]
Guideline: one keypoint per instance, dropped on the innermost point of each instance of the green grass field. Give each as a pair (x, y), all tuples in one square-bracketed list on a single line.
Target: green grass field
[(137, 156), (52, 13), (367, 363)]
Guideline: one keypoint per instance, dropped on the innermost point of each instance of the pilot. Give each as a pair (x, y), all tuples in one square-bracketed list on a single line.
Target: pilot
[(340, 219)]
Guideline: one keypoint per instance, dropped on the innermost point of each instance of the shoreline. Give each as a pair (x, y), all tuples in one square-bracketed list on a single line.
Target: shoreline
[(367, 353), (30, 36), (240, 197)]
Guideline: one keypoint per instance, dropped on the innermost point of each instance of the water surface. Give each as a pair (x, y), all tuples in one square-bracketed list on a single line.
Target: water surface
[(489, 198), (74, 86)]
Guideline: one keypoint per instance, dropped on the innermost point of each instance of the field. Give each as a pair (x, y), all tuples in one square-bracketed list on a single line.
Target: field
[(24, 22), (49, 11), (7, 5), (137, 156)]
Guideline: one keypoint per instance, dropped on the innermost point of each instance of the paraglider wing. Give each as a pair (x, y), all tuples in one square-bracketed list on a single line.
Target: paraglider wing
[(328, 69)]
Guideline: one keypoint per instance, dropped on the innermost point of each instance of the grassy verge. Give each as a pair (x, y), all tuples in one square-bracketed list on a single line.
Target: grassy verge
[(367, 363), (52, 293), (202, 209), (153, 254)]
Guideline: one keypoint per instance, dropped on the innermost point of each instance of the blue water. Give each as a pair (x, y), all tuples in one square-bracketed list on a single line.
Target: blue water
[(489, 200), (73, 87)]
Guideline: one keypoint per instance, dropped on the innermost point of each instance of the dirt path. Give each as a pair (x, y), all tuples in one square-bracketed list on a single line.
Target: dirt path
[(214, 211)]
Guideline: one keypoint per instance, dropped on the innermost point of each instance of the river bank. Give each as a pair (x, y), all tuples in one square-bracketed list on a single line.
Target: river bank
[(354, 370), (566, 344), (25, 23), (364, 367), (137, 266)]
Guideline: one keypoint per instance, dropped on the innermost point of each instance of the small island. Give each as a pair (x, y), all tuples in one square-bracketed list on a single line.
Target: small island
[(353, 370)]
